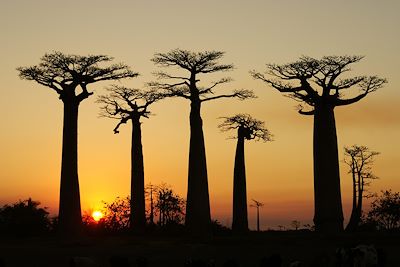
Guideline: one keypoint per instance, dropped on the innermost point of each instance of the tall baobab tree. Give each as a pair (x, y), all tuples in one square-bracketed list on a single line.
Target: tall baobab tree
[(247, 128), (317, 83), (359, 159), (65, 74), (257, 205), (128, 104), (185, 85)]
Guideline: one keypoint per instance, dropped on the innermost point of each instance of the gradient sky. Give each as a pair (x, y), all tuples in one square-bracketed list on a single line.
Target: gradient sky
[(252, 33)]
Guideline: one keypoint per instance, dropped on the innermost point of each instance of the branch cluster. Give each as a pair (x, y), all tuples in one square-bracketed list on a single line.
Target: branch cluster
[(124, 103), (298, 80), (63, 73), (195, 63), (250, 127), (360, 160)]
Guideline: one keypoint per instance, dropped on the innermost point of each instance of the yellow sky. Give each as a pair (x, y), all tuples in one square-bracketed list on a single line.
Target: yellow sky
[(279, 173)]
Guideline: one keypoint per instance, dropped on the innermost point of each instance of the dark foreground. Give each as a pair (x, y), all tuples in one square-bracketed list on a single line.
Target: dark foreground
[(247, 251)]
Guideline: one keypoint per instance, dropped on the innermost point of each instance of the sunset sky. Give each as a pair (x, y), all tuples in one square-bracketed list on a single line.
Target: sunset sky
[(252, 33)]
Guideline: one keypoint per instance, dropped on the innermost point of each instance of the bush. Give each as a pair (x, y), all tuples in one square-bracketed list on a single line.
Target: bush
[(24, 218), (385, 211)]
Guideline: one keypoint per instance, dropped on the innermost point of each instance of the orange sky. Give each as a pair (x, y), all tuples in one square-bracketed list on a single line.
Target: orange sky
[(279, 173)]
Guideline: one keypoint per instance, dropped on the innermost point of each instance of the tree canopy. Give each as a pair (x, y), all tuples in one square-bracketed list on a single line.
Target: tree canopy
[(195, 63), (253, 128), (63, 73), (312, 81), (124, 103)]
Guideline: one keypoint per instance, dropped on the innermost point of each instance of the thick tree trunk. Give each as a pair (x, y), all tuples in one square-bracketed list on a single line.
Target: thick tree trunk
[(240, 221), (327, 197), (138, 214), (198, 219), (70, 206)]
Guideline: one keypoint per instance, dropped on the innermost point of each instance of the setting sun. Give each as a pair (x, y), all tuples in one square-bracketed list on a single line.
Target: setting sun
[(97, 215)]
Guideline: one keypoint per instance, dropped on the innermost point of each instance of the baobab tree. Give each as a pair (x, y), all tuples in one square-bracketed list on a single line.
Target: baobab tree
[(247, 128), (65, 74), (128, 104), (359, 159), (185, 85), (317, 83)]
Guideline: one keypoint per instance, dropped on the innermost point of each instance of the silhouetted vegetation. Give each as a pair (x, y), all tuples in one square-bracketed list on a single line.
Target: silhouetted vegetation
[(23, 218), (247, 128), (359, 159), (169, 206), (198, 218), (385, 211), (317, 83), (64, 74), (117, 214), (127, 104), (295, 224), (257, 205)]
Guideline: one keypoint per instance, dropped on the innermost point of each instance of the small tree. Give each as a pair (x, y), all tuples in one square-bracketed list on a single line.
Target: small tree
[(385, 210), (359, 159), (150, 192), (198, 218), (247, 128), (169, 206), (257, 205), (64, 74), (318, 84), (24, 218), (295, 224), (117, 214), (127, 104)]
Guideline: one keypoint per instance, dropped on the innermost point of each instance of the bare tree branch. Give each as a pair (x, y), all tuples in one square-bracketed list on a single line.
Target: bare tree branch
[(242, 94)]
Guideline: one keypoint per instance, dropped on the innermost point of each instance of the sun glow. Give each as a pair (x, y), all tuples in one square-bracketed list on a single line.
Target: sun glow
[(97, 215)]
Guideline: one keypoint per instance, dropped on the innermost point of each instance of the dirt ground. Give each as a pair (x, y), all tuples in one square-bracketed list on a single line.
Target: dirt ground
[(310, 248)]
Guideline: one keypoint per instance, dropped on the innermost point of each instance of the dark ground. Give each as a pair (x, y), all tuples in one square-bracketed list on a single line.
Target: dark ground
[(311, 248)]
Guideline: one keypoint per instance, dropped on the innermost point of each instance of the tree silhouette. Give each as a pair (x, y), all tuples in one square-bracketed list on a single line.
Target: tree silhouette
[(24, 218), (197, 220), (257, 205), (385, 210), (359, 159), (150, 190), (295, 224), (170, 206), (316, 83), (64, 74), (127, 104), (117, 214), (247, 128)]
